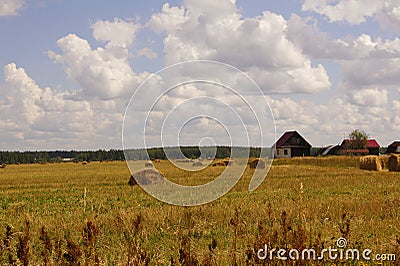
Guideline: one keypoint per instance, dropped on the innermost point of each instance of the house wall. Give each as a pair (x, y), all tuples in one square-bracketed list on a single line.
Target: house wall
[(373, 151), (280, 153), (298, 152)]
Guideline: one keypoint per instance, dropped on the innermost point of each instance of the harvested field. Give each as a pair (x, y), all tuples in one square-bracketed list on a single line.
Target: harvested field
[(303, 202)]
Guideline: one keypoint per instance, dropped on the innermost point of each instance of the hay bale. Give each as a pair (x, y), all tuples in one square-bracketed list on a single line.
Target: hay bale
[(132, 181), (84, 163), (2, 166), (384, 161), (228, 162), (184, 161), (146, 177), (394, 163), (219, 163), (148, 164), (197, 164), (257, 164), (371, 162)]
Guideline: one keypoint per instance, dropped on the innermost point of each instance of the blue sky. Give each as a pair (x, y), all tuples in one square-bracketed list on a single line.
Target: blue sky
[(324, 68)]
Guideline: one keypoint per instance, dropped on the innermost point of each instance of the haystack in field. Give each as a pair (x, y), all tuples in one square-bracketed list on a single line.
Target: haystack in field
[(371, 162), (148, 164), (146, 177), (257, 163), (228, 162), (219, 163), (184, 161), (384, 161), (394, 163), (197, 164), (3, 165)]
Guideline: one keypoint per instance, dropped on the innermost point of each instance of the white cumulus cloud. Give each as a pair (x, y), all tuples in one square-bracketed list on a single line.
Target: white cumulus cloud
[(147, 52), (371, 97), (34, 118), (216, 30), (10, 7), (354, 12), (104, 72), (117, 33)]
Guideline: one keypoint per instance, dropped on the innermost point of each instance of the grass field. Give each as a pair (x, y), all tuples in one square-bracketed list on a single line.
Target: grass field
[(74, 214)]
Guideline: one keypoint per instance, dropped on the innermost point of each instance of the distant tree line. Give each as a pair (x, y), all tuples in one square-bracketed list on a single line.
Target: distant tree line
[(13, 157)]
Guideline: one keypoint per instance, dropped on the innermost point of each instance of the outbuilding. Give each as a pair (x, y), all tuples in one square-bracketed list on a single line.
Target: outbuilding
[(291, 144)]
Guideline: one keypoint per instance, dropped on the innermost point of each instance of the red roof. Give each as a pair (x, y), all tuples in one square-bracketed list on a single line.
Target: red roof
[(285, 137), (371, 143)]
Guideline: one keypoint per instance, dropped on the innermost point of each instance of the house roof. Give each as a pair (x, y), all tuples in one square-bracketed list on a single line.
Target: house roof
[(392, 148), (394, 144), (371, 143), (286, 136)]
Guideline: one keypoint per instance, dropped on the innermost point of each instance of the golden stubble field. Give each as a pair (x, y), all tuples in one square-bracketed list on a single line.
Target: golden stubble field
[(74, 214)]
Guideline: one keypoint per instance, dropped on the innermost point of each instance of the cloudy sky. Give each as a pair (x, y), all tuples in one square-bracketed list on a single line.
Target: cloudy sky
[(69, 68)]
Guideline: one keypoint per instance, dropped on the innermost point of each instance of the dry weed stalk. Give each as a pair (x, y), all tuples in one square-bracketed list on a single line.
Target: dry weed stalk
[(186, 256), (89, 237), (131, 231), (73, 254), (48, 246), (24, 243)]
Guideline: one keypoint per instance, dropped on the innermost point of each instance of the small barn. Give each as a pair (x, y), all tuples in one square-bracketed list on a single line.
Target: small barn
[(329, 150), (291, 144), (372, 148), (394, 147)]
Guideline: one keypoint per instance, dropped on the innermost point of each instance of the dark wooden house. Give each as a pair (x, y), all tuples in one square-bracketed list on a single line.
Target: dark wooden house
[(372, 148), (394, 147), (291, 144)]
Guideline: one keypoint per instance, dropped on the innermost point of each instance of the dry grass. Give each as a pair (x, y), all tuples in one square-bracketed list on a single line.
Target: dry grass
[(304, 202)]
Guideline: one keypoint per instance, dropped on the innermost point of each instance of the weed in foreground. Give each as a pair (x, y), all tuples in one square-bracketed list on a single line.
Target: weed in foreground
[(24, 242), (48, 246), (186, 254), (131, 229), (89, 237), (73, 254)]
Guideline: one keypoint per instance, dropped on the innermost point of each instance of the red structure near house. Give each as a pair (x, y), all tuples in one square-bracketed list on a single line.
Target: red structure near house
[(372, 148)]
